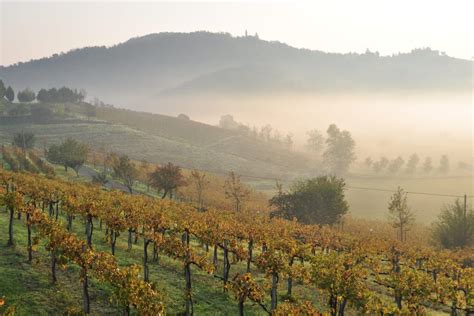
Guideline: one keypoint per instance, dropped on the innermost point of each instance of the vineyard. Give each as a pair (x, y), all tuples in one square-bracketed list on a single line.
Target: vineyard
[(263, 265)]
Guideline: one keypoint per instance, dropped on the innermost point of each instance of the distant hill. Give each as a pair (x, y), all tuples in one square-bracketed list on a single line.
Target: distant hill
[(168, 64)]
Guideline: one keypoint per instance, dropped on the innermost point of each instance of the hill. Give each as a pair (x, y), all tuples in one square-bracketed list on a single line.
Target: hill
[(157, 138), (143, 69)]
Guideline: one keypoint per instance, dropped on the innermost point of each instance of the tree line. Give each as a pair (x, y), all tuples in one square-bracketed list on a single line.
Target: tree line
[(266, 133), (339, 145), (53, 95), (413, 165)]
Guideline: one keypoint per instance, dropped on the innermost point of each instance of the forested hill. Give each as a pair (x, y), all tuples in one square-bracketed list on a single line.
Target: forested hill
[(194, 63)]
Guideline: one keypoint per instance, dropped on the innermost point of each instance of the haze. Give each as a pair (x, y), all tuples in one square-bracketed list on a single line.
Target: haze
[(36, 29)]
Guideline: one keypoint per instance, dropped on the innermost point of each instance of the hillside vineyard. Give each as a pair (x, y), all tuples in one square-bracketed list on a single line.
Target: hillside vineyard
[(367, 274)]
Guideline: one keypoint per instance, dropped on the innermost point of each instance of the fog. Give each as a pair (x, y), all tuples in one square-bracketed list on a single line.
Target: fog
[(381, 124)]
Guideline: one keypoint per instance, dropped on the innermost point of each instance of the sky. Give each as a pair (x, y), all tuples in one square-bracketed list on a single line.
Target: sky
[(35, 29)]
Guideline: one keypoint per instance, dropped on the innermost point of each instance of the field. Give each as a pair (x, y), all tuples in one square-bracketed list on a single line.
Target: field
[(368, 196), (28, 288)]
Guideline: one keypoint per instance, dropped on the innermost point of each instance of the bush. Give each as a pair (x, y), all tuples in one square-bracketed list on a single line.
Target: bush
[(314, 201), (454, 229)]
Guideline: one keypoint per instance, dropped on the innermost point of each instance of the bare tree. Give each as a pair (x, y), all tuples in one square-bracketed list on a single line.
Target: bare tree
[(200, 182), (315, 141), (400, 214), (235, 191)]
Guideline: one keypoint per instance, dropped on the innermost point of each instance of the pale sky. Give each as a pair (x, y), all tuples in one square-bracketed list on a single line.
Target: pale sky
[(35, 29)]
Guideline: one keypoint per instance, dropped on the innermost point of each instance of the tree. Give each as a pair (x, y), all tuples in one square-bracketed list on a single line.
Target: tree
[(75, 154), (90, 111), (183, 117), (315, 141), (368, 162), (412, 164), (125, 170), (288, 140), (54, 155), (396, 164), (266, 132), (2, 90), (455, 226), (144, 175), (444, 164), (235, 191), (314, 201), (377, 166), (427, 165), (42, 96), (228, 122), (70, 154), (400, 214), (200, 182), (24, 140), (384, 162), (167, 178), (26, 95), (339, 153), (10, 94)]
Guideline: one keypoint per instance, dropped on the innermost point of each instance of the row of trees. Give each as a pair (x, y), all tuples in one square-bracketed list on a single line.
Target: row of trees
[(53, 95), (265, 133), (61, 95), (168, 178), (411, 166)]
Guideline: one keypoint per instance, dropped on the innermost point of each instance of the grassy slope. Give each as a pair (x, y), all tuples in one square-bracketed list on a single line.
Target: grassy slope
[(159, 138)]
